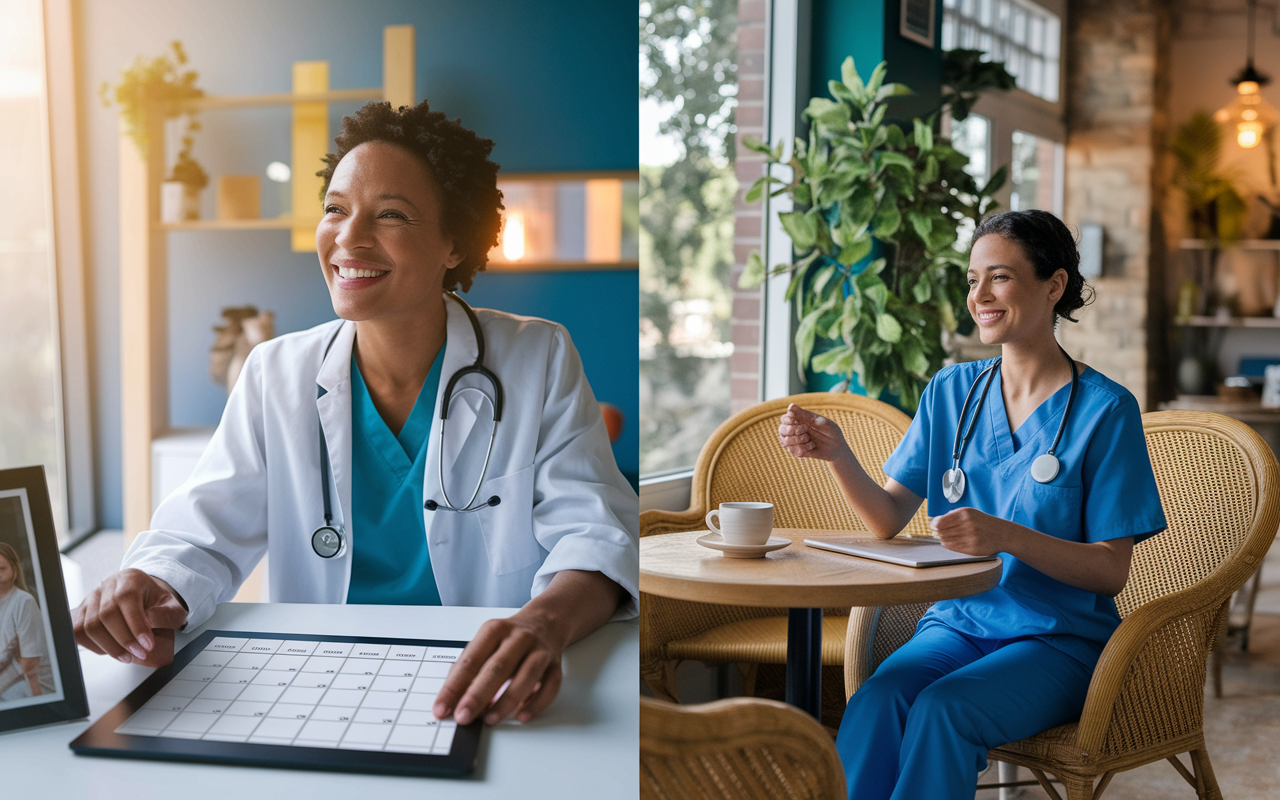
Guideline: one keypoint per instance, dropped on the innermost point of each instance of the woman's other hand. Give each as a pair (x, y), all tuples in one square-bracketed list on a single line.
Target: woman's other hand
[(525, 649), (972, 532), (131, 617), (805, 434)]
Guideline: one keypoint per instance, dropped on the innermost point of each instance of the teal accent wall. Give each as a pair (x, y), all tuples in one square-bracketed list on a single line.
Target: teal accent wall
[(868, 31), (552, 83)]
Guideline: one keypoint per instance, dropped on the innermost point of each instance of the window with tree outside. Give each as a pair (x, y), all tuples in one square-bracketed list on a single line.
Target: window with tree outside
[(688, 93)]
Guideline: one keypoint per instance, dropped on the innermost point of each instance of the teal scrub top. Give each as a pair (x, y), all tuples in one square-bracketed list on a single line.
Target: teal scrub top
[(1105, 489), (390, 563)]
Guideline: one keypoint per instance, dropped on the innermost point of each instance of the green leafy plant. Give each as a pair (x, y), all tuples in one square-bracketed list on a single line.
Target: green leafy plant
[(1215, 209), (159, 85), (855, 182)]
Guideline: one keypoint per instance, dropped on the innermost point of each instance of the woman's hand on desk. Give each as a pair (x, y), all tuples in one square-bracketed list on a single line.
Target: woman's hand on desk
[(525, 649), (131, 617)]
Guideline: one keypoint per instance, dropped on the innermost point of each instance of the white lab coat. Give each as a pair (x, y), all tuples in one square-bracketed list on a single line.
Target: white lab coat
[(256, 490)]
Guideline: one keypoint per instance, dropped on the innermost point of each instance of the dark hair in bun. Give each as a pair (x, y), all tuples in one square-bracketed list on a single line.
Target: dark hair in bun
[(1049, 247)]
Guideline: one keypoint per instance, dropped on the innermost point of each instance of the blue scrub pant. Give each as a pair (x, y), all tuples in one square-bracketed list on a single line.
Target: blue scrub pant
[(921, 726)]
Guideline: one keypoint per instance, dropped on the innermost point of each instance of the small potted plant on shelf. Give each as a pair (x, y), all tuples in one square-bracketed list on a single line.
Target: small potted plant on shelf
[(160, 86), (180, 193), (876, 270)]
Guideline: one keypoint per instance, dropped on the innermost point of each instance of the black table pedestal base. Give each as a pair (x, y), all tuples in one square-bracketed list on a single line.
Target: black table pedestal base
[(804, 660)]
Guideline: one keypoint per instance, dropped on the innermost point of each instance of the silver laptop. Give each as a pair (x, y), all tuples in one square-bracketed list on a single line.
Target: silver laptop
[(918, 552)]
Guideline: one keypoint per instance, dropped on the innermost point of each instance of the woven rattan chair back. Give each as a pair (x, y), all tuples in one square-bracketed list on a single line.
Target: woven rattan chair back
[(739, 749), (743, 461), (1209, 488)]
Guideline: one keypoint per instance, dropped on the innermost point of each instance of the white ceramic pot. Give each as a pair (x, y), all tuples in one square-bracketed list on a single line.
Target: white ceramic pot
[(179, 202)]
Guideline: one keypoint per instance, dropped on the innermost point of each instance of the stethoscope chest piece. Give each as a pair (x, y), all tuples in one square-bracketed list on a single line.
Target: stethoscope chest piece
[(328, 542), (1045, 468), (953, 482)]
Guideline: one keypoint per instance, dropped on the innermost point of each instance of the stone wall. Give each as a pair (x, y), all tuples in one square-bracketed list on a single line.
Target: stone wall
[(1117, 102), (747, 235)]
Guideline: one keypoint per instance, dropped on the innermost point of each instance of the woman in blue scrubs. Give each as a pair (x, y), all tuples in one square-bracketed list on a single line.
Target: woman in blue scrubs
[(996, 667)]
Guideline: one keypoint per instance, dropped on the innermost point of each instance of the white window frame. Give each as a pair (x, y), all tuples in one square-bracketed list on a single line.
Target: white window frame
[(62, 128)]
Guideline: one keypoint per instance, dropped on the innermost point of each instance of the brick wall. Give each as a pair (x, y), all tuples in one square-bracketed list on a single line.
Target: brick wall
[(747, 234), (1117, 51)]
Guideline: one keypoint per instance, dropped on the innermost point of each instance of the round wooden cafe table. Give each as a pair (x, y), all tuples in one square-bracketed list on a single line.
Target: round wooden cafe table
[(804, 580)]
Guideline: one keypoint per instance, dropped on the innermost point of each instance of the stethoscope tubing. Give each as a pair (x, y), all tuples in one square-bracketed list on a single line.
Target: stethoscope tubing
[(322, 541), (962, 440)]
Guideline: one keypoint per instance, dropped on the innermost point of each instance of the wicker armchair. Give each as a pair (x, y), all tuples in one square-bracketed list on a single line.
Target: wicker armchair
[(1218, 485), (739, 749), (743, 461)]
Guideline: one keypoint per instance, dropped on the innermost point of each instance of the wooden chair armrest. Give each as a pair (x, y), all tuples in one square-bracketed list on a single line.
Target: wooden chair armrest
[(658, 521), (1136, 683)]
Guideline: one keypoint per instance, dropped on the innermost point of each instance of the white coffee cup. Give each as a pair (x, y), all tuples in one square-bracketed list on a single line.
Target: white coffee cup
[(742, 523)]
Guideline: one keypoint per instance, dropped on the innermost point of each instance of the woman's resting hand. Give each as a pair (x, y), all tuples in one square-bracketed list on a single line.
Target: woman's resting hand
[(131, 617), (970, 531), (525, 649), (805, 434)]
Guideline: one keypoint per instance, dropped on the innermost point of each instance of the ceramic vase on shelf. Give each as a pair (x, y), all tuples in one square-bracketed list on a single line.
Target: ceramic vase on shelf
[(1191, 375), (179, 202)]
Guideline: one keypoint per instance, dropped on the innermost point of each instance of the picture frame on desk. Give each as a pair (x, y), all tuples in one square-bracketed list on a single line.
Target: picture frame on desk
[(40, 679)]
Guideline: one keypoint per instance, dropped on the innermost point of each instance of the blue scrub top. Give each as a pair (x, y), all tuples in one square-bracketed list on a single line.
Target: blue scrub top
[(1104, 490), (390, 563)]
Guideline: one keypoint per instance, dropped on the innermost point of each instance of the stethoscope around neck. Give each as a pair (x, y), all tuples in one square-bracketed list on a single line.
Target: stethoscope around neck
[(1043, 469), (329, 540)]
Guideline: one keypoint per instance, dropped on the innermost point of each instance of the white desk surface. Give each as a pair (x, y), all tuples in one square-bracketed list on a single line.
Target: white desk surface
[(585, 745)]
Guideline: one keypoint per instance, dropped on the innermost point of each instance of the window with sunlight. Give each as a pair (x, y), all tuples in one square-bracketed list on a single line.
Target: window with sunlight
[(30, 414)]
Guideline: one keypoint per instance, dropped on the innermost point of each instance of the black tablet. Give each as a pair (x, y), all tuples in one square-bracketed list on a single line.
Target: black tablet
[(352, 704)]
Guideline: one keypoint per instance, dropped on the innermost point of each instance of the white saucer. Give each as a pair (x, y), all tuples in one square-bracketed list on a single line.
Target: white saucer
[(715, 542)]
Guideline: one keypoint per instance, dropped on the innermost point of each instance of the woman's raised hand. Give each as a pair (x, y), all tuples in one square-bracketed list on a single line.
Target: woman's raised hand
[(805, 434)]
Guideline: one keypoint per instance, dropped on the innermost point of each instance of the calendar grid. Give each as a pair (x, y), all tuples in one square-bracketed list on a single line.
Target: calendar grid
[(300, 693)]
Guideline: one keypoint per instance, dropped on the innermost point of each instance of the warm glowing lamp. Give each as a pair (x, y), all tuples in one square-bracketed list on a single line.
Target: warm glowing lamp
[(1248, 113), (513, 237)]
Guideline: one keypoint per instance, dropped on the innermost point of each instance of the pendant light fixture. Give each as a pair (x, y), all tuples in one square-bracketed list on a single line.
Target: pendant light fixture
[(1248, 113)]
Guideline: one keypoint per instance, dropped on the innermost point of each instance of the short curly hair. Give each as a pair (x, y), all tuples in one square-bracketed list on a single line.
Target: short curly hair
[(1049, 246), (456, 157)]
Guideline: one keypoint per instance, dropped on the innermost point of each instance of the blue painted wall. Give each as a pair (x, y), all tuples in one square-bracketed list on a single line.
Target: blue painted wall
[(552, 83)]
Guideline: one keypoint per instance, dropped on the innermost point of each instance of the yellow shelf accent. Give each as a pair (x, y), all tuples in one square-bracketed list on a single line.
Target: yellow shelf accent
[(310, 143)]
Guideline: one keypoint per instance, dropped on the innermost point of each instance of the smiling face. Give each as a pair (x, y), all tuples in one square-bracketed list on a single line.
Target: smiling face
[(380, 242), (1006, 299)]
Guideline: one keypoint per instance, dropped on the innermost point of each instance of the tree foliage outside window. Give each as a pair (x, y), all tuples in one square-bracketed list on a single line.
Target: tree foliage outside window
[(688, 72)]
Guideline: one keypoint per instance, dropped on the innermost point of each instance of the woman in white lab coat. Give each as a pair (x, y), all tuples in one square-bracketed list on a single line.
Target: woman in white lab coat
[(411, 211)]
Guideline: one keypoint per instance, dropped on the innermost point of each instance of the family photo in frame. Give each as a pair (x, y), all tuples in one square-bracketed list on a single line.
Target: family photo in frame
[(40, 679)]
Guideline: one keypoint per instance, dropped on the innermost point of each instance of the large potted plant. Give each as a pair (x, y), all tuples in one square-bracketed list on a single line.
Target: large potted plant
[(160, 85), (877, 211)]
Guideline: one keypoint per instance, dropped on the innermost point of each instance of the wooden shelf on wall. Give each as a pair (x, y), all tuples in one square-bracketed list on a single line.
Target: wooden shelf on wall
[(210, 102), (1229, 322), (1242, 244), (279, 223)]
